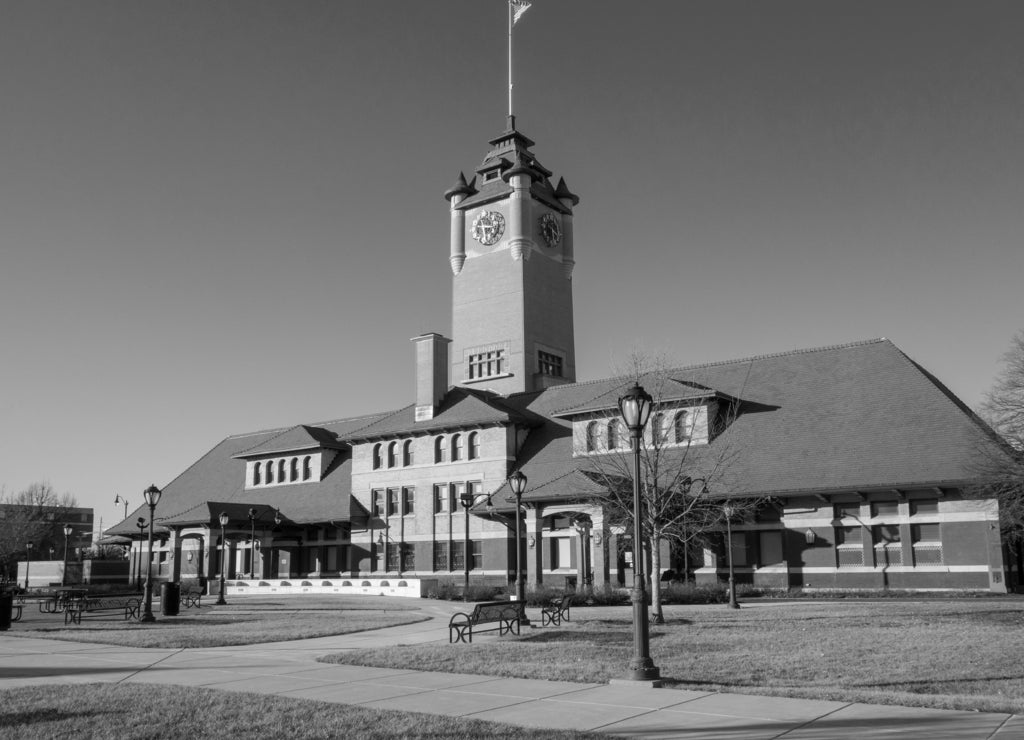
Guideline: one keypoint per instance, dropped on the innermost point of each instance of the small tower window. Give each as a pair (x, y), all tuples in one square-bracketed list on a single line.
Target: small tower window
[(549, 364), (440, 450), (280, 471), (256, 477), (457, 444), (377, 456), (474, 445), (294, 472), (392, 454), (307, 471), (593, 436), (407, 453), (270, 472)]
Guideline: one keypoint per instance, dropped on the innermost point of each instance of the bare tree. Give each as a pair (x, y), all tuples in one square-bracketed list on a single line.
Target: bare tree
[(684, 467), (34, 515), (1000, 467)]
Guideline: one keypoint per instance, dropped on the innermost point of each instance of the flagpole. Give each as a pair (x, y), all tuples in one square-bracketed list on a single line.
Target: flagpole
[(510, 23)]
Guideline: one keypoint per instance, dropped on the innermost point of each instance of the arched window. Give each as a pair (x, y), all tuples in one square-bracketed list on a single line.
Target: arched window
[(376, 456), (256, 477), (614, 434), (440, 450), (407, 453), (659, 432), (474, 445), (294, 472), (392, 454), (680, 427), (593, 436), (270, 472), (307, 471), (456, 447), (280, 471)]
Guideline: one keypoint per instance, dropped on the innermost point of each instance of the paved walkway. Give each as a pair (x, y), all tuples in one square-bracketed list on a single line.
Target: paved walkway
[(290, 669)]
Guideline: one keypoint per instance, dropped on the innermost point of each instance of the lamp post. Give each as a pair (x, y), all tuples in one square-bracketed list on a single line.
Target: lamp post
[(152, 496), (252, 543), (28, 561), (119, 499), (223, 523), (517, 482), (467, 499), (64, 575), (141, 524), (729, 510), (635, 407)]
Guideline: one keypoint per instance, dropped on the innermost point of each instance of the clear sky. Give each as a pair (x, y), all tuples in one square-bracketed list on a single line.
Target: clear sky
[(218, 217)]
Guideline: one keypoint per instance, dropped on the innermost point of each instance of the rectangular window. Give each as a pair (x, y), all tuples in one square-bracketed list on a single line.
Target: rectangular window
[(924, 506), (393, 556), (927, 543), (886, 539), (549, 364), (458, 556), (408, 500), (561, 552), (477, 549), (486, 364), (440, 556), (408, 556), (392, 501), (442, 498), (849, 546), (378, 503), (739, 548), (885, 508), (770, 548)]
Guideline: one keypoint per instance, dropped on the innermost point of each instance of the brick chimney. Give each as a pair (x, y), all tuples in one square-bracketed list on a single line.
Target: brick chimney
[(431, 373)]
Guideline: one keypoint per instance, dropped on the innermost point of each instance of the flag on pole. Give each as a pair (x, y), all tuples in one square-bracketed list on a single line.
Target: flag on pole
[(518, 8)]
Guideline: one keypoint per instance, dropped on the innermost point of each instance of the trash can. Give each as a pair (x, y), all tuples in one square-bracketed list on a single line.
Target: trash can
[(170, 599), (6, 609)]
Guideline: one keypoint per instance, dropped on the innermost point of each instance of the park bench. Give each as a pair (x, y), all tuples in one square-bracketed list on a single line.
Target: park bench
[(191, 596), (58, 601), (557, 611), (127, 605), (503, 616), (16, 608)]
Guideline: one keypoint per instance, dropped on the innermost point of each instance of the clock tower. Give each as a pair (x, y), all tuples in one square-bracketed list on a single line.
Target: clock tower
[(512, 261)]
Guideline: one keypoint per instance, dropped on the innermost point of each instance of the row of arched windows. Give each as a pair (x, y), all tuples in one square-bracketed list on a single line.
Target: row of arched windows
[(454, 448), (282, 471), (666, 428)]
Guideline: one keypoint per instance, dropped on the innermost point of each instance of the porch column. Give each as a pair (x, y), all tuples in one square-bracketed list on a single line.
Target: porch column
[(211, 554), (599, 540), (534, 561), (174, 545)]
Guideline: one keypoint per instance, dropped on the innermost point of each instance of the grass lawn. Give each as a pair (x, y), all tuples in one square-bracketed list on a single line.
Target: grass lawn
[(959, 654), (244, 621), (95, 711)]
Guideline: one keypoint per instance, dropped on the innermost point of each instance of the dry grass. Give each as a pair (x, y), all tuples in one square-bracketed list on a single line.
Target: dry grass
[(244, 621), (944, 654), (148, 712)]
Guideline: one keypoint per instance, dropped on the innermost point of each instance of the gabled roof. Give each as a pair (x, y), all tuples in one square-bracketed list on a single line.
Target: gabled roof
[(297, 439), (461, 408)]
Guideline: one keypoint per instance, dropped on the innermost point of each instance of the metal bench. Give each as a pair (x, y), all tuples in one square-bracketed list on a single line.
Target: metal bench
[(503, 616), (558, 611), (127, 605), (191, 596)]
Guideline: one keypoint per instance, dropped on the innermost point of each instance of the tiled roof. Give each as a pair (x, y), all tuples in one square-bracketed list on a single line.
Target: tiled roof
[(220, 476), (460, 409), (296, 439)]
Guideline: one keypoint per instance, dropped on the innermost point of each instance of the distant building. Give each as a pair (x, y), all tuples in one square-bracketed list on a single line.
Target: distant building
[(860, 454)]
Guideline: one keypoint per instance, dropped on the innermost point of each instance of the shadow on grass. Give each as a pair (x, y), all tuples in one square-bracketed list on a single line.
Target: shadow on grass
[(22, 719)]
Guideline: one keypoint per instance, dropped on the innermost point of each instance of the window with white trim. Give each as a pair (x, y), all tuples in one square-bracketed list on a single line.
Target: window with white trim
[(485, 364)]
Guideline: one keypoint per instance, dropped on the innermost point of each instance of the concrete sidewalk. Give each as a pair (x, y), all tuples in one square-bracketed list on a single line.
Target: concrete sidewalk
[(290, 669)]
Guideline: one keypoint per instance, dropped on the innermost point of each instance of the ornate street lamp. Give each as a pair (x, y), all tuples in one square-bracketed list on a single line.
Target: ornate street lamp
[(252, 543), (28, 561), (223, 523), (635, 408), (152, 496), (468, 499), (67, 533), (729, 510), (119, 499), (517, 482), (141, 524)]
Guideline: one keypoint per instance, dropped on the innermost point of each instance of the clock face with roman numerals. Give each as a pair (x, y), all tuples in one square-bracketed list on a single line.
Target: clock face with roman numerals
[(550, 230), (488, 226)]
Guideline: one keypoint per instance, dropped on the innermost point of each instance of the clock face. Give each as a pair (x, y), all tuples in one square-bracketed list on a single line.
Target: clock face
[(550, 230), (488, 226)]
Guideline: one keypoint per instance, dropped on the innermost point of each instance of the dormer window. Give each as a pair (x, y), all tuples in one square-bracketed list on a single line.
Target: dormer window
[(294, 470), (307, 471), (256, 476)]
